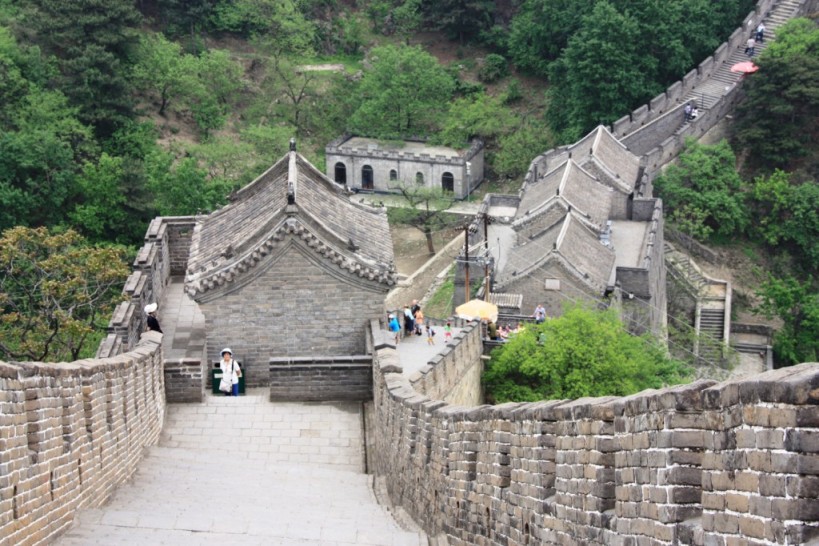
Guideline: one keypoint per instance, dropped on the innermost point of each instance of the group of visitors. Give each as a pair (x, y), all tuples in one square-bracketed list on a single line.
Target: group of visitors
[(503, 332), (414, 324), (757, 37), (690, 111)]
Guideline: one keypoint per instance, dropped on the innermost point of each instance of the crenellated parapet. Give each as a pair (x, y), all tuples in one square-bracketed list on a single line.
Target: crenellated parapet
[(705, 463), (164, 253), (71, 433)]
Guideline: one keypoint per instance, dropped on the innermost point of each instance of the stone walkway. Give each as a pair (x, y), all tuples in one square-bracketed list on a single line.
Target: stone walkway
[(245, 471)]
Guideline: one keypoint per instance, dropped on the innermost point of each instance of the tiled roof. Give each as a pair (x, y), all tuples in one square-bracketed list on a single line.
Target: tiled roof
[(574, 187), (506, 300), (236, 237), (569, 240)]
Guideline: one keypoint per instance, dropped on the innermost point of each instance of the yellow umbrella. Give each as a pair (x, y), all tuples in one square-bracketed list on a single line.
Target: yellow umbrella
[(478, 310)]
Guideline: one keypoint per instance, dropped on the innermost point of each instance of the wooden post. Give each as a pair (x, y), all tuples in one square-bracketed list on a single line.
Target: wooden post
[(466, 260)]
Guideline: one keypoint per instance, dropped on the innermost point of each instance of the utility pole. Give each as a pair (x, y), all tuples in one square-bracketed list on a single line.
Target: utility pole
[(486, 256), (466, 259)]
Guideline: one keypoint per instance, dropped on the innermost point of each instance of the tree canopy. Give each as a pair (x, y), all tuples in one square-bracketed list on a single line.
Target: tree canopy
[(702, 192), (797, 304), (402, 94), (782, 102), (56, 292), (582, 353)]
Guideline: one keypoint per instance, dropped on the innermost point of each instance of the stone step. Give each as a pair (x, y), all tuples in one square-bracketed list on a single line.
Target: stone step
[(242, 470)]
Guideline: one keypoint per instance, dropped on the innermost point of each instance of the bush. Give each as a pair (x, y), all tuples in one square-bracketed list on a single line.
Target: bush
[(583, 353), (494, 68)]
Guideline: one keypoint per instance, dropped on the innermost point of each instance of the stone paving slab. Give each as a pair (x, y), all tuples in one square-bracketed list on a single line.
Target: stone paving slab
[(247, 471)]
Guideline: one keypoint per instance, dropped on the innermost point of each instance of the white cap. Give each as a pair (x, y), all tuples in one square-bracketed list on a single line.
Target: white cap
[(151, 307), (226, 350)]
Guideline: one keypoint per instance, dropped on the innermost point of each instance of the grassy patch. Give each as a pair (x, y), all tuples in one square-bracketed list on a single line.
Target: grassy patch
[(441, 304)]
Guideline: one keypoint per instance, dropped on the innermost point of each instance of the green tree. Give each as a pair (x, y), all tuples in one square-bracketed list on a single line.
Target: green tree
[(425, 210), (112, 206), (787, 214), (782, 101), (797, 305), (582, 353), (479, 115), (55, 293), (186, 16), (39, 150), (93, 40), (181, 187), (163, 68), (703, 192), (461, 19), (402, 94), (407, 19), (541, 29), (601, 75), (517, 148)]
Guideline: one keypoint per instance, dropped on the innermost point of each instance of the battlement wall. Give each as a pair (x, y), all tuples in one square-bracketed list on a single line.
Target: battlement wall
[(336, 147), (673, 96), (165, 253), (705, 463), (70, 433)]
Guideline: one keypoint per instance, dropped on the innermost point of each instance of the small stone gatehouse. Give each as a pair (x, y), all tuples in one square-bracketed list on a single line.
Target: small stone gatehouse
[(366, 164), (290, 268)]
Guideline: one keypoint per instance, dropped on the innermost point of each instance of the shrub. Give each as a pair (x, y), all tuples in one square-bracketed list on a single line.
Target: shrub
[(493, 69)]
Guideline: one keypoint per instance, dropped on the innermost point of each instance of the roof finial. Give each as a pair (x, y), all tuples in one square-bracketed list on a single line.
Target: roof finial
[(293, 144)]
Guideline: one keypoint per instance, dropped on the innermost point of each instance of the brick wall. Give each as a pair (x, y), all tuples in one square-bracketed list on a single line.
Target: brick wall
[(70, 433), (297, 307), (706, 463), (164, 253), (321, 378), (184, 380)]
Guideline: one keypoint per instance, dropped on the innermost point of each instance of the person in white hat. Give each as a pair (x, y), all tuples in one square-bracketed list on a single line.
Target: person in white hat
[(152, 322), (231, 372)]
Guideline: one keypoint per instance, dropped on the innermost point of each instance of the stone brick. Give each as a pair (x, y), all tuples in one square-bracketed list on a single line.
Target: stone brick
[(736, 502)]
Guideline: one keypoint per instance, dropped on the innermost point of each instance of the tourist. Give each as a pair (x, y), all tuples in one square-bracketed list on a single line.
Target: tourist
[(430, 335), (409, 321), (760, 33), (419, 320), (492, 331), (694, 113), (395, 328), (151, 321), (231, 372), (687, 112), (448, 331), (539, 314), (749, 47)]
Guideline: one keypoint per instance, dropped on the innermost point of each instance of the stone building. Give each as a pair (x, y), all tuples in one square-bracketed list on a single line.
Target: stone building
[(365, 164), (582, 230), (290, 268)]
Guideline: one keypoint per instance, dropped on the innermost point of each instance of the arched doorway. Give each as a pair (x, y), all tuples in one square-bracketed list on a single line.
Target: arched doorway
[(367, 177), (393, 175), (341, 173), (447, 182), (419, 178)]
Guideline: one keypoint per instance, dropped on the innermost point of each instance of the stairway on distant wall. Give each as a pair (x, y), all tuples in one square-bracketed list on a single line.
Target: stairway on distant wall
[(707, 94), (713, 304)]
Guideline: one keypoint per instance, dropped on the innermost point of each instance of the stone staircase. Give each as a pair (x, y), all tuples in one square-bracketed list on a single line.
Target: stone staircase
[(708, 93), (713, 307), (245, 471)]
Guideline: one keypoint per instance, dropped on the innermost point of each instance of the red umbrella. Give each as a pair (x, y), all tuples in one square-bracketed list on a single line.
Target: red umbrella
[(745, 67)]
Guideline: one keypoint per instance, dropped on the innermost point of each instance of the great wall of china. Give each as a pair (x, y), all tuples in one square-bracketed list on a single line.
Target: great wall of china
[(706, 464)]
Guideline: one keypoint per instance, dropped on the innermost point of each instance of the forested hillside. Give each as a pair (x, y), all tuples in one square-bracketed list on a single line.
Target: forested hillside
[(115, 111)]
